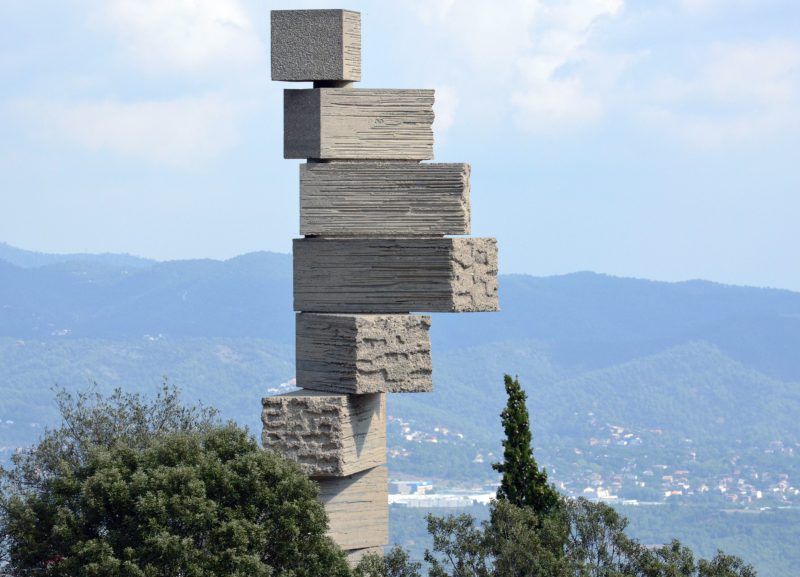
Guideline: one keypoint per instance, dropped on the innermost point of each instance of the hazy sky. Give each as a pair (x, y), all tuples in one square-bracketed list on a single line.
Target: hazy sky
[(656, 139)]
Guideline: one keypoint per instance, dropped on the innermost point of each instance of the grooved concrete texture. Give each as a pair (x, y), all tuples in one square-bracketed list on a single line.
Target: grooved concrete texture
[(364, 353), (384, 199), (358, 123), (395, 275), (316, 45), (358, 508), (327, 434)]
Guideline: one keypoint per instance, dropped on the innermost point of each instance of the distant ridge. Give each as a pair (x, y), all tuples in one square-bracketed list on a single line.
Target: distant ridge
[(245, 295), (32, 259), (592, 319)]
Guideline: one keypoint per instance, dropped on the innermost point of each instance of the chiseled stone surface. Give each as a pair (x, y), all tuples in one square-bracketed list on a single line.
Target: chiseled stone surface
[(357, 508), (395, 275), (364, 353), (384, 199), (316, 45), (327, 434), (358, 123)]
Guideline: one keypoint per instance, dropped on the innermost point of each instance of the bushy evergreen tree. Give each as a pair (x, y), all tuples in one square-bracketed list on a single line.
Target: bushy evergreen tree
[(129, 488), (523, 483)]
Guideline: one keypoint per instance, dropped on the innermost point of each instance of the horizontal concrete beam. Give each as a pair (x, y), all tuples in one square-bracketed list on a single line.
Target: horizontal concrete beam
[(327, 434), (316, 45), (364, 353), (358, 123), (357, 508), (384, 199), (397, 275)]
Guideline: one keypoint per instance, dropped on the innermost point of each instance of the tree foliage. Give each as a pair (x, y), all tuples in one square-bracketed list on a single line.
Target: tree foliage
[(132, 488), (395, 563), (533, 532), (580, 539), (523, 484)]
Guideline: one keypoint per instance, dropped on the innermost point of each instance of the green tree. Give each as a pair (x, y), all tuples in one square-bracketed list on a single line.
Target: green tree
[(579, 539), (395, 563), (514, 542), (459, 547), (596, 543), (523, 484), (131, 488), (524, 544)]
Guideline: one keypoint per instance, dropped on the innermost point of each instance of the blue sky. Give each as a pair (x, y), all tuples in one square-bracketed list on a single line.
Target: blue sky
[(656, 139)]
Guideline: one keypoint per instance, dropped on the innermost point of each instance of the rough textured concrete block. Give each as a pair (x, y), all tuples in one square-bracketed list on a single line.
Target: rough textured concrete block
[(364, 353), (384, 199), (327, 434), (358, 508), (358, 123), (395, 275), (355, 555), (316, 45)]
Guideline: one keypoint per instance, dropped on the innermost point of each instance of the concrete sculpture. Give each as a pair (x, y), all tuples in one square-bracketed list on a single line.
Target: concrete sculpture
[(375, 250)]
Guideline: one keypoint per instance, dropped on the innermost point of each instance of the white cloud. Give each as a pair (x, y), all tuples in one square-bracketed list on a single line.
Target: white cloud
[(187, 36), (537, 51), (487, 36), (444, 108), (175, 132), (737, 92), (709, 7)]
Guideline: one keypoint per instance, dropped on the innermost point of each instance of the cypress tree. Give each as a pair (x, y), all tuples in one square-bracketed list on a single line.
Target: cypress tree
[(523, 484)]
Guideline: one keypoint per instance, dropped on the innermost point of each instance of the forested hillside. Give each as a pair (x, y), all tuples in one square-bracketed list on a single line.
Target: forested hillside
[(657, 392)]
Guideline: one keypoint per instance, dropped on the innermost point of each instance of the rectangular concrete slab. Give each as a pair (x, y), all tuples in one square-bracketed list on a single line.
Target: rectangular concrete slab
[(384, 199), (358, 124), (327, 434), (316, 45), (357, 508), (395, 275), (364, 353)]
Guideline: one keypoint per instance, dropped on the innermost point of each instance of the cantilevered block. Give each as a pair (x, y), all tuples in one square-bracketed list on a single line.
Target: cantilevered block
[(364, 353), (358, 123), (357, 508), (327, 434), (384, 199), (316, 45), (395, 275)]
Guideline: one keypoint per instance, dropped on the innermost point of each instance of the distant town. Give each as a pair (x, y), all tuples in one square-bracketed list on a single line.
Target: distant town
[(615, 464)]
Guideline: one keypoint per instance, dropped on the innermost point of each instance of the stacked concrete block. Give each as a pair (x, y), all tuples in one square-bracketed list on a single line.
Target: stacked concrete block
[(361, 354), (384, 198), (354, 123), (327, 434), (395, 275), (316, 46), (376, 223), (357, 508)]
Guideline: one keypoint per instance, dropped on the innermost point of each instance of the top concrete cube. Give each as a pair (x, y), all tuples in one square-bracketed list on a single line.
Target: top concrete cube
[(316, 46)]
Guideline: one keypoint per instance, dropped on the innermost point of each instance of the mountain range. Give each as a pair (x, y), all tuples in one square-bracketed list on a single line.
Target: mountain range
[(625, 377), (703, 358)]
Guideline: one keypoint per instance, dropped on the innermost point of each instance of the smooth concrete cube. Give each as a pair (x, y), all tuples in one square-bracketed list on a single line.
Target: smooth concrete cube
[(316, 45), (357, 508), (395, 275), (384, 199), (327, 434), (358, 123), (364, 353)]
